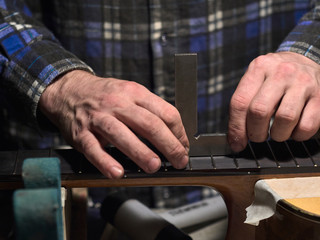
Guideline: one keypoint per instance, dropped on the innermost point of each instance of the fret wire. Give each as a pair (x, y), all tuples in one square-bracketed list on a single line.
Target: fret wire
[(80, 166), (307, 150), (291, 153), (165, 166), (235, 160), (212, 162), (254, 156), (189, 163), (273, 155), (16, 163)]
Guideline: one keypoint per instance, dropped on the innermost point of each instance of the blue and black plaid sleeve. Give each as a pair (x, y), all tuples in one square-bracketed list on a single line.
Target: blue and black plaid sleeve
[(30, 58), (305, 37)]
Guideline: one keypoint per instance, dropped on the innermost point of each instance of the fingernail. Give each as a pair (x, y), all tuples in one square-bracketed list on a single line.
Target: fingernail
[(116, 172), (154, 165)]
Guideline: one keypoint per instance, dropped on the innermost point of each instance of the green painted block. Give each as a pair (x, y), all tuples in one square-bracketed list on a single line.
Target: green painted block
[(38, 214), (37, 209), (41, 172)]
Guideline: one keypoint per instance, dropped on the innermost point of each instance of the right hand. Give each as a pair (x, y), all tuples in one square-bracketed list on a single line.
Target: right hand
[(285, 85), (92, 112)]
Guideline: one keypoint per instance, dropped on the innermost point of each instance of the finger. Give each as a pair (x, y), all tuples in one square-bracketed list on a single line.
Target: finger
[(309, 122), (94, 152), (287, 115), (240, 101), (127, 142), (168, 114), (151, 127), (262, 108)]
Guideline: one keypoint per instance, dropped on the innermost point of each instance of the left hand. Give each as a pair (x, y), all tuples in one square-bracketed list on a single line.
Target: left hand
[(285, 85)]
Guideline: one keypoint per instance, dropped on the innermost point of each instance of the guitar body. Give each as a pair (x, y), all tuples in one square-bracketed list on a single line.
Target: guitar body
[(237, 192), (289, 222)]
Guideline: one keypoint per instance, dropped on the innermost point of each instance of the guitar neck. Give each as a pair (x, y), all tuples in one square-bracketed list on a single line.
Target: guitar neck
[(289, 157)]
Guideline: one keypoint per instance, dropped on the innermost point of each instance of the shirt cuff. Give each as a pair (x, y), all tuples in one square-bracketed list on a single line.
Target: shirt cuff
[(33, 69), (304, 39)]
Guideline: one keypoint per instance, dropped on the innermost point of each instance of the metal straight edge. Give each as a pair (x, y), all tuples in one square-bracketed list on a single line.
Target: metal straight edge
[(186, 93)]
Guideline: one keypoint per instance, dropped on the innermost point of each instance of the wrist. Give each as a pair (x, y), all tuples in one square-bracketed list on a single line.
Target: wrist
[(57, 91)]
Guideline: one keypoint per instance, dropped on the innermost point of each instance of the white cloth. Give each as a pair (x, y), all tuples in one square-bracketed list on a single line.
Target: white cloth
[(268, 192)]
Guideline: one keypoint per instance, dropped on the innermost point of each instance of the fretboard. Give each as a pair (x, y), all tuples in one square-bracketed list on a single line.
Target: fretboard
[(258, 158)]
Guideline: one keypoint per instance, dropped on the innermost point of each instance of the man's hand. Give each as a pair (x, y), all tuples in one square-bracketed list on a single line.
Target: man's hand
[(92, 112), (285, 85)]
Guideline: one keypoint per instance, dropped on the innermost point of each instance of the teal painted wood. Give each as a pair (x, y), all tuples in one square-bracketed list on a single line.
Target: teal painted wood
[(37, 208), (41, 172)]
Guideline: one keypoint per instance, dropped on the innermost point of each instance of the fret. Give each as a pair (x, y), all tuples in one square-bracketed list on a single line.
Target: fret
[(307, 151), (15, 162), (8, 162), (246, 159), (189, 166), (301, 156), (291, 154), (235, 161), (200, 163), (164, 166), (263, 155), (253, 154), (273, 154), (224, 162), (213, 162), (313, 147), (282, 154)]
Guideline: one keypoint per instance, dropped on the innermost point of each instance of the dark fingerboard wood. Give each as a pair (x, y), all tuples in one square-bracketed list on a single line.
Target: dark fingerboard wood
[(258, 158)]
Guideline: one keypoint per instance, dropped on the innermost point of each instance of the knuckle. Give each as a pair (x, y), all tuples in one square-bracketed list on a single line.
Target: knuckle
[(78, 130), (131, 87), (111, 101), (107, 125), (286, 67), (260, 61), (307, 129), (287, 116), (278, 135), (306, 80), (234, 129), (239, 103), (259, 110), (176, 151), (171, 116), (152, 126)]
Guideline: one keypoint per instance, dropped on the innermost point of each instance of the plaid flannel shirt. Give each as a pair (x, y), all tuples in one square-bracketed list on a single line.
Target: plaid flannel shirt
[(136, 40)]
